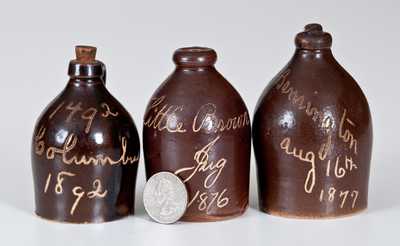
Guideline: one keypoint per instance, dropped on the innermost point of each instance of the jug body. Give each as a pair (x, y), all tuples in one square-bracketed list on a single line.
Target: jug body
[(197, 126), (312, 133), (85, 151)]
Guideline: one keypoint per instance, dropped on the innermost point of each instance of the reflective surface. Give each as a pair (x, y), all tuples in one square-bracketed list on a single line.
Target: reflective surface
[(312, 135), (197, 126), (85, 151)]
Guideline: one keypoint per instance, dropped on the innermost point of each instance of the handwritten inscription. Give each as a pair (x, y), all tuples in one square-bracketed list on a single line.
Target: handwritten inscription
[(335, 166), (305, 156), (75, 109), (77, 191), (206, 119), (213, 170), (68, 157), (331, 194), (107, 111), (163, 116), (345, 134), (203, 165), (68, 152), (284, 86), (207, 200), (339, 169)]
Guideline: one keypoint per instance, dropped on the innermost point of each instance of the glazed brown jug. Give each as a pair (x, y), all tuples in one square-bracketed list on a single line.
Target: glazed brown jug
[(312, 135), (85, 150), (196, 125)]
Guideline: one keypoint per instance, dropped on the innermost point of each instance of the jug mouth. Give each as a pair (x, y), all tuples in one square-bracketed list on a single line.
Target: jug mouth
[(79, 70), (313, 38), (85, 65), (195, 56)]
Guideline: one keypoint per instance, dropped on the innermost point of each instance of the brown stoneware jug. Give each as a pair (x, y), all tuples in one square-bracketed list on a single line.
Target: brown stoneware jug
[(312, 134), (85, 150), (196, 125)]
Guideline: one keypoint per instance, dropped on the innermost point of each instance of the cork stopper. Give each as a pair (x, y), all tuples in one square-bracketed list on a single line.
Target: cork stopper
[(85, 54), (313, 38), (85, 64)]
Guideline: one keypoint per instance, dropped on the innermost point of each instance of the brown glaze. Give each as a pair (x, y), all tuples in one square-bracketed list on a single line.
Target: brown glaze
[(85, 150), (197, 126), (312, 134)]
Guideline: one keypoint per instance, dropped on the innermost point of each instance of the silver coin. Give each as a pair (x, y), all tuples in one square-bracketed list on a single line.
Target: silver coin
[(165, 197)]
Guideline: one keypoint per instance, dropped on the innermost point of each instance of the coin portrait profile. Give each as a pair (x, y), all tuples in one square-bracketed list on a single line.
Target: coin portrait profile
[(163, 195)]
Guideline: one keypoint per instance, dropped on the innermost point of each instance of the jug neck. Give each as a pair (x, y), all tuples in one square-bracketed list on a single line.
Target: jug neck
[(86, 82), (317, 53)]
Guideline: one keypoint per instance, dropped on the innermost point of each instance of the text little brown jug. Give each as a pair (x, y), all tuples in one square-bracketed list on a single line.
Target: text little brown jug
[(197, 126), (85, 150), (312, 134)]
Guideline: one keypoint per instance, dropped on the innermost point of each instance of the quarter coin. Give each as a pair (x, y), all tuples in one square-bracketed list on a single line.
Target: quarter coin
[(165, 197)]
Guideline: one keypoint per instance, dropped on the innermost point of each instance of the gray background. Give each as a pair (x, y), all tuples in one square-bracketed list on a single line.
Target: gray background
[(136, 39)]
